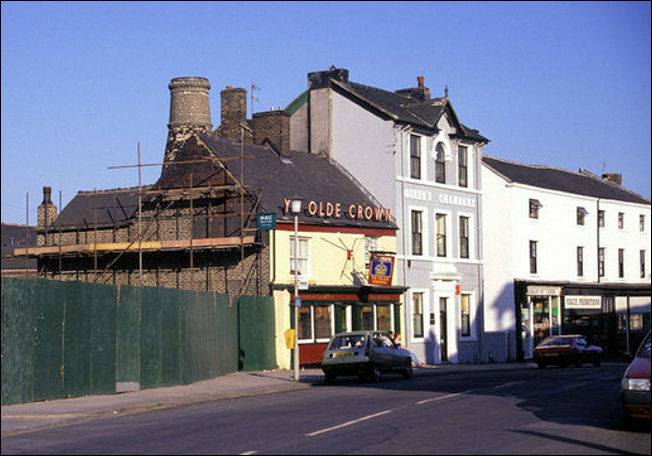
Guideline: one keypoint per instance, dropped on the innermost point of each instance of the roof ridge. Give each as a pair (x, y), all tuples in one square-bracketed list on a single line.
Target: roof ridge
[(111, 190)]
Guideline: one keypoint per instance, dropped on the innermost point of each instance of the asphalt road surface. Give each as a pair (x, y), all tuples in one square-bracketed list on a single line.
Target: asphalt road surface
[(550, 411)]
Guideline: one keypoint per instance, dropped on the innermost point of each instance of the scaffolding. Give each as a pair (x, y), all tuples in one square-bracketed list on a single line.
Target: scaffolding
[(144, 241)]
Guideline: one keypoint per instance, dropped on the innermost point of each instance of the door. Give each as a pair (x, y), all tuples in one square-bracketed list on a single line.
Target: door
[(526, 329), (443, 329)]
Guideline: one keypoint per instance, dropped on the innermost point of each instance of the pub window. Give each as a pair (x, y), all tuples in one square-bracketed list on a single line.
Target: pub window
[(305, 323), (462, 166), (642, 258), (533, 257), (417, 230), (303, 257), (535, 205), (417, 314), (465, 315), (367, 317), (322, 321), (415, 157), (440, 220), (581, 215), (601, 261), (440, 164), (621, 263), (621, 220), (601, 219), (383, 318), (580, 261), (464, 237)]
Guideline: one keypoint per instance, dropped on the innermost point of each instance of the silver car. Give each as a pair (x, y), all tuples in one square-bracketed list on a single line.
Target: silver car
[(367, 354)]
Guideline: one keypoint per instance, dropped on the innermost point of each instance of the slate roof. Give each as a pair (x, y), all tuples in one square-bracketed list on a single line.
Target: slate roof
[(309, 176), (580, 183), (403, 108), (114, 207), (13, 237)]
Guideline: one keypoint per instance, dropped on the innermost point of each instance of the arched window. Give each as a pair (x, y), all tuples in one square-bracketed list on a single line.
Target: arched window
[(440, 164)]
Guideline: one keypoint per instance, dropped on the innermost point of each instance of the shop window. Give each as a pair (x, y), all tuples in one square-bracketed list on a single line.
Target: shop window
[(535, 205), (464, 237), (465, 315), (440, 164), (322, 322), (440, 221), (415, 157), (417, 314), (417, 230), (305, 323), (383, 318), (462, 166)]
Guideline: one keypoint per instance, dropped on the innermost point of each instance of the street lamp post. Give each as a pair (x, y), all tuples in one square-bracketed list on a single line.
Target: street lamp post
[(296, 209)]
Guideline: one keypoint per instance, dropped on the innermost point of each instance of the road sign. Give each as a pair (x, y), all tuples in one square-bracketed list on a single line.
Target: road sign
[(297, 301)]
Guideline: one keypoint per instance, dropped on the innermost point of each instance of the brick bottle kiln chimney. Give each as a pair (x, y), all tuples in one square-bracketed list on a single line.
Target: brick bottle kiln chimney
[(189, 111)]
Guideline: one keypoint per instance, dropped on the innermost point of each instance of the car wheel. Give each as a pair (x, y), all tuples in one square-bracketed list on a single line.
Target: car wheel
[(597, 361), (541, 364), (374, 373), (330, 378), (407, 372)]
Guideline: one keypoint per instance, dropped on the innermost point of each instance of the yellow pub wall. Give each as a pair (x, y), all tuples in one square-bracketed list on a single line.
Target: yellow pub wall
[(328, 266)]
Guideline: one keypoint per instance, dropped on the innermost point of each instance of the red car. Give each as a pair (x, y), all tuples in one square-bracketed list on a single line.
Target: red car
[(568, 349), (635, 385)]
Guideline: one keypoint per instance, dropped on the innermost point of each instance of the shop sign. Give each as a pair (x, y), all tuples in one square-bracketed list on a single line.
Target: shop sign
[(381, 270), (543, 290), (583, 302), (328, 209), (266, 221)]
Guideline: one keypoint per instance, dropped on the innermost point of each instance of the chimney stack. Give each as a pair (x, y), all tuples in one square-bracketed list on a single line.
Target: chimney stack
[(614, 178), (189, 111), (419, 94), (273, 126), (46, 212), (233, 113)]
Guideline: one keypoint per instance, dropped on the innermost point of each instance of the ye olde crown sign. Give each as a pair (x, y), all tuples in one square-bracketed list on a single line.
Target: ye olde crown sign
[(381, 269), (327, 209)]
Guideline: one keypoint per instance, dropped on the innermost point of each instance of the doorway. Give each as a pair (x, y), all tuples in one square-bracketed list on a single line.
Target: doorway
[(443, 329)]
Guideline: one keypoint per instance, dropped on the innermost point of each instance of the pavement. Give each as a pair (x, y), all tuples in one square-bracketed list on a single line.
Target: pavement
[(22, 418)]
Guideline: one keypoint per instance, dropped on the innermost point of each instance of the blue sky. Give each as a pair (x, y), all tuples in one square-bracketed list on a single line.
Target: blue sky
[(560, 84)]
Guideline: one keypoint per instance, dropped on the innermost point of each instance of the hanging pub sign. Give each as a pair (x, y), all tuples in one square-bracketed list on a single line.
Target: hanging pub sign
[(381, 269)]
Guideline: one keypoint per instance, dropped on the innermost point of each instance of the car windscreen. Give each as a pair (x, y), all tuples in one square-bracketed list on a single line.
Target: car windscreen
[(347, 341), (560, 341), (644, 351)]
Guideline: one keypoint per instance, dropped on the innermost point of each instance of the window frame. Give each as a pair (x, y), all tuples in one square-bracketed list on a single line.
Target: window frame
[(420, 233), (463, 166), (424, 312), (621, 220), (580, 261), (439, 236), (534, 206), (440, 163), (601, 261), (415, 146), (533, 257), (580, 215), (306, 259), (621, 263)]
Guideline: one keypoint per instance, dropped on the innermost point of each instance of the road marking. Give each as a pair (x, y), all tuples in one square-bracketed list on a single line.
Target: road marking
[(248, 452), (443, 397), (348, 423), (505, 385)]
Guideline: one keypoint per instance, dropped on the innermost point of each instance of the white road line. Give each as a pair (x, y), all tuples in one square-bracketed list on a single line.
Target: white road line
[(505, 385), (248, 453), (348, 423), (443, 397)]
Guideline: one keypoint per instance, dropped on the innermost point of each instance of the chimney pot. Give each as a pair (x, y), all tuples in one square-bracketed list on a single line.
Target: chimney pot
[(229, 87), (420, 81)]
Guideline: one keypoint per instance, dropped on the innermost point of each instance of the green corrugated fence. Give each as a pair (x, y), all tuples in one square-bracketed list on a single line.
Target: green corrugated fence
[(67, 339)]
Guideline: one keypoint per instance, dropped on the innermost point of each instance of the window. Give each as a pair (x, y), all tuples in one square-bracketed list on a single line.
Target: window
[(417, 314), (465, 315), (462, 166), (367, 317), (305, 323), (415, 157), (383, 318), (440, 221), (533, 257), (417, 230), (621, 263), (621, 220), (601, 261), (322, 321), (535, 205), (370, 245), (581, 214), (641, 223), (440, 164), (642, 256), (601, 219), (580, 261), (303, 257), (464, 237)]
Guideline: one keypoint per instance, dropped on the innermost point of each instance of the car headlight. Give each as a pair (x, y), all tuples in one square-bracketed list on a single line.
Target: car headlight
[(636, 384)]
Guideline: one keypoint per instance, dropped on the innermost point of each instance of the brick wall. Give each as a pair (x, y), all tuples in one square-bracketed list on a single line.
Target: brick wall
[(273, 126)]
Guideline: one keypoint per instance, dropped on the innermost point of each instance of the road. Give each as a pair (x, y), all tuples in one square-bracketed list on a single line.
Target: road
[(551, 411)]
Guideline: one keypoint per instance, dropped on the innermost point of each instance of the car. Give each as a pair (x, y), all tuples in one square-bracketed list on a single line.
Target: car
[(635, 384), (367, 354), (568, 349)]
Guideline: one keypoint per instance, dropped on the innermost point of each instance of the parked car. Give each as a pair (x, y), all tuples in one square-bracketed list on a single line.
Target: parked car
[(568, 349), (635, 385), (367, 354)]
